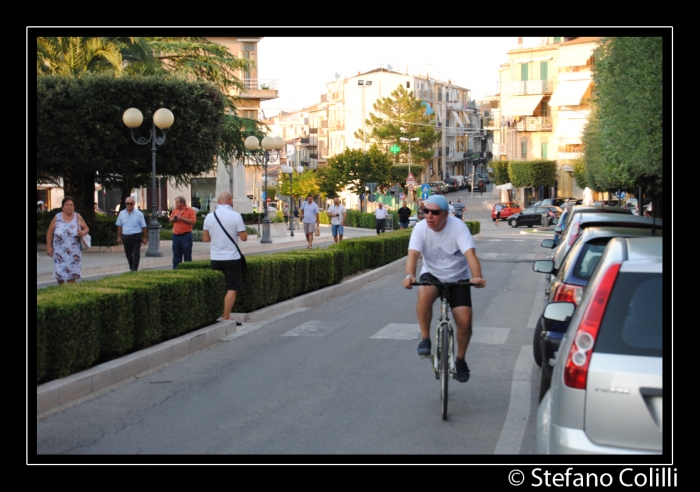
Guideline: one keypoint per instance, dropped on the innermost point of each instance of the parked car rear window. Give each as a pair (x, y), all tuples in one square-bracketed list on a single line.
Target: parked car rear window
[(633, 321), (588, 258)]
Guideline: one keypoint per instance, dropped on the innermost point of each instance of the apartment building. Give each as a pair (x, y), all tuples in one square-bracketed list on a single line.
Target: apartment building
[(350, 100), (543, 105)]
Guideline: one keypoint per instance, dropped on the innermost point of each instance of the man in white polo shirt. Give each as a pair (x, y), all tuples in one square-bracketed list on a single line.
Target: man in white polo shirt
[(310, 218), (223, 253), (380, 213)]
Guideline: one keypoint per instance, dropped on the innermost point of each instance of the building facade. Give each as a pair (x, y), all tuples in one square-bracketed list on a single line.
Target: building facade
[(542, 107)]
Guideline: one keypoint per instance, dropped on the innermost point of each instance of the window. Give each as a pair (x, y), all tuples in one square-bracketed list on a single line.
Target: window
[(523, 72), (523, 149), (544, 108), (557, 39), (408, 85), (543, 149), (544, 70)]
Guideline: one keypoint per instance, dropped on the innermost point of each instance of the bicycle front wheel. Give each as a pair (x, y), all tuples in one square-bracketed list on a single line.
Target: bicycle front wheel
[(444, 367)]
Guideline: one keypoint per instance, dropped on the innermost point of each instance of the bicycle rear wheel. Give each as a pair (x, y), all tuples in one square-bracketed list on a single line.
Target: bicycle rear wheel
[(444, 367)]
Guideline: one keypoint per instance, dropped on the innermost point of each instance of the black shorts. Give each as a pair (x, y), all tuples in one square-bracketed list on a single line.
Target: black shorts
[(232, 273), (458, 295)]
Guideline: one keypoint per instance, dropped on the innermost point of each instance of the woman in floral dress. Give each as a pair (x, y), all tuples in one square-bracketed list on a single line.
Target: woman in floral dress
[(63, 242)]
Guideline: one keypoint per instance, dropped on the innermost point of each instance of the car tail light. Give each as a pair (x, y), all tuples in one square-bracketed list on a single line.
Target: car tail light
[(575, 229), (568, 293), (576, 366)]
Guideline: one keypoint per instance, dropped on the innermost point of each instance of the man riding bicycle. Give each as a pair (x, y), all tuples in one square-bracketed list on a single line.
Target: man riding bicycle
[(449, 255)]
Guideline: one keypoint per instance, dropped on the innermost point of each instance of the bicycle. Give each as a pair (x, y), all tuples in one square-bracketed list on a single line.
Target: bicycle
[(443, 356)]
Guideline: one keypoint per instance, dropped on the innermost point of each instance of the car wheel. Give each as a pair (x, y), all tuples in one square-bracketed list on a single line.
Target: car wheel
[(536, 348), (512, 223), (529, 225)]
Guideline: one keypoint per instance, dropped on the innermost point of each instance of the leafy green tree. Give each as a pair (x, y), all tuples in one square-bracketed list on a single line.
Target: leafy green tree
[(305, 184), (356, 168), (401, 115), (579, 168), (80, 135), (330, 181), (500, 172), (526, 174), (624, 147)]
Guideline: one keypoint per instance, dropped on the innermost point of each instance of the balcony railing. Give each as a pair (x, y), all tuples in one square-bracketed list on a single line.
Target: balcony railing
[(260, 84), (539, 86), (534, 124)]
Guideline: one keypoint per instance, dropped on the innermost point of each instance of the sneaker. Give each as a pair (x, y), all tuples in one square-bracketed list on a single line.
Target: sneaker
[(424, 347), (462, 371)]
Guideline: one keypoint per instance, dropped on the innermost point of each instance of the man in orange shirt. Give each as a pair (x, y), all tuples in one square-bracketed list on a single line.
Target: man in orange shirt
[(183, 218)]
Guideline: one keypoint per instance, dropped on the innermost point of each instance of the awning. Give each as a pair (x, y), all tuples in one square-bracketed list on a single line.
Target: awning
[(569, 93), (521, 105), (569, 131), (574, 56)]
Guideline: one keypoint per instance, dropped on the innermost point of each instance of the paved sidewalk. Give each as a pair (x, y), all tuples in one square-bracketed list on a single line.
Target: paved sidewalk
[(96, 262)]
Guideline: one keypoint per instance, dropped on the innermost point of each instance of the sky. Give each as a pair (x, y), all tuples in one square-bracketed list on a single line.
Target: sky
[(303, 66)]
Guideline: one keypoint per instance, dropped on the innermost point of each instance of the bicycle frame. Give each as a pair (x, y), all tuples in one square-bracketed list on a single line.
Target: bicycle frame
[(444, 324)]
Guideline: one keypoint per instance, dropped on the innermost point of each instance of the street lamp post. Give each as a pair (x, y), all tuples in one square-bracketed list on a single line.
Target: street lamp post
[(409, 140), (270, 145), (290, 170), (163, 119), (363, 84)]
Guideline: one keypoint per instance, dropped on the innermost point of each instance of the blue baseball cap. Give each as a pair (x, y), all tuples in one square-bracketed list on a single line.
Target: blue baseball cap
[(438, 200)]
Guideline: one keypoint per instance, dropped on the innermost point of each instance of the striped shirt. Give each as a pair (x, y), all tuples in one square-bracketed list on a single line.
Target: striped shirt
[(459, 207)]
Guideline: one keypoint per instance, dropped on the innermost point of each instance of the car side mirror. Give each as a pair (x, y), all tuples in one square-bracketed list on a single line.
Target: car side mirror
[(559, 311), (548, 243), (543, 266)]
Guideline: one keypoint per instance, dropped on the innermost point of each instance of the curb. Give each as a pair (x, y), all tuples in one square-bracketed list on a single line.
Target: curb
[(54, 394)]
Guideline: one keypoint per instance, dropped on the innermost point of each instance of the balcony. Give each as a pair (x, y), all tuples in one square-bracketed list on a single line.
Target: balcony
[(539, 86), (263, 89), (532, 87), (534, 124)]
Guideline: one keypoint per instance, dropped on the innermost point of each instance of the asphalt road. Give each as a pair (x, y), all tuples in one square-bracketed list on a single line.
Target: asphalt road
[(340, 382)]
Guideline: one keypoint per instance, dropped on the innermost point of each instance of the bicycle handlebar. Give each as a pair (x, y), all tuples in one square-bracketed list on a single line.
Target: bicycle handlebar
[(440, 284)]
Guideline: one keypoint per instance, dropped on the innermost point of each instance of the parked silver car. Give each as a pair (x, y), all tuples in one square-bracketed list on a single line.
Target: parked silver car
[(606, 395)]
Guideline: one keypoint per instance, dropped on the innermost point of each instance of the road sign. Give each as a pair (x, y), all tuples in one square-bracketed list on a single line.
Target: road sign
[(401, 196), (268, 198), (620, 194), (425, 196), (263, 195), (425, 189), (410, 177), (370, 197), (410, 187)]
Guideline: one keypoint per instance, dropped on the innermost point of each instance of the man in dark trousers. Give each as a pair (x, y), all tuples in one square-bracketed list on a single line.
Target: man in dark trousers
[(404, 215)]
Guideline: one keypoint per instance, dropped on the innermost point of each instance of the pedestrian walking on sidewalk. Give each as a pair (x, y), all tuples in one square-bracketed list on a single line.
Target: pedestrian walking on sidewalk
[(337, 214), (132, 231), (63, 242), (222, 229), (310, 218), (404, 216), (182, 219), (380, 214)]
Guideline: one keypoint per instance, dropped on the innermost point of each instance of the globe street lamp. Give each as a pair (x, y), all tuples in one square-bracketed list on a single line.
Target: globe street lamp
[(163, 119), (290, 170), (269, 145)]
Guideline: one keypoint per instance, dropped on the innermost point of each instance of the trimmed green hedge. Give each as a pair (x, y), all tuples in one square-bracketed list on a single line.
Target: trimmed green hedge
[(83, 324)]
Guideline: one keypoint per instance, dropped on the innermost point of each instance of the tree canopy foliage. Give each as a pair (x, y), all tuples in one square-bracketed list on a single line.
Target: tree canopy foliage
[(81, 137), (532, 174), (355, 169), (623, 141), (401, 115)]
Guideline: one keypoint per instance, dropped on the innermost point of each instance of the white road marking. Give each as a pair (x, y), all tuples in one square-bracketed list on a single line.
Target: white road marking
[(519, 240), (538, 305), (313, 328), (495, 239), (248, 327), (513, 429), (398, 331), (492, 336)]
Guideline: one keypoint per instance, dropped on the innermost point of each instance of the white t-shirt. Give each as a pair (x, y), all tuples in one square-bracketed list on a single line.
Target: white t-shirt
[(443, 252), (340, 210), (380, 213), (310, 210), (222, 248)]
